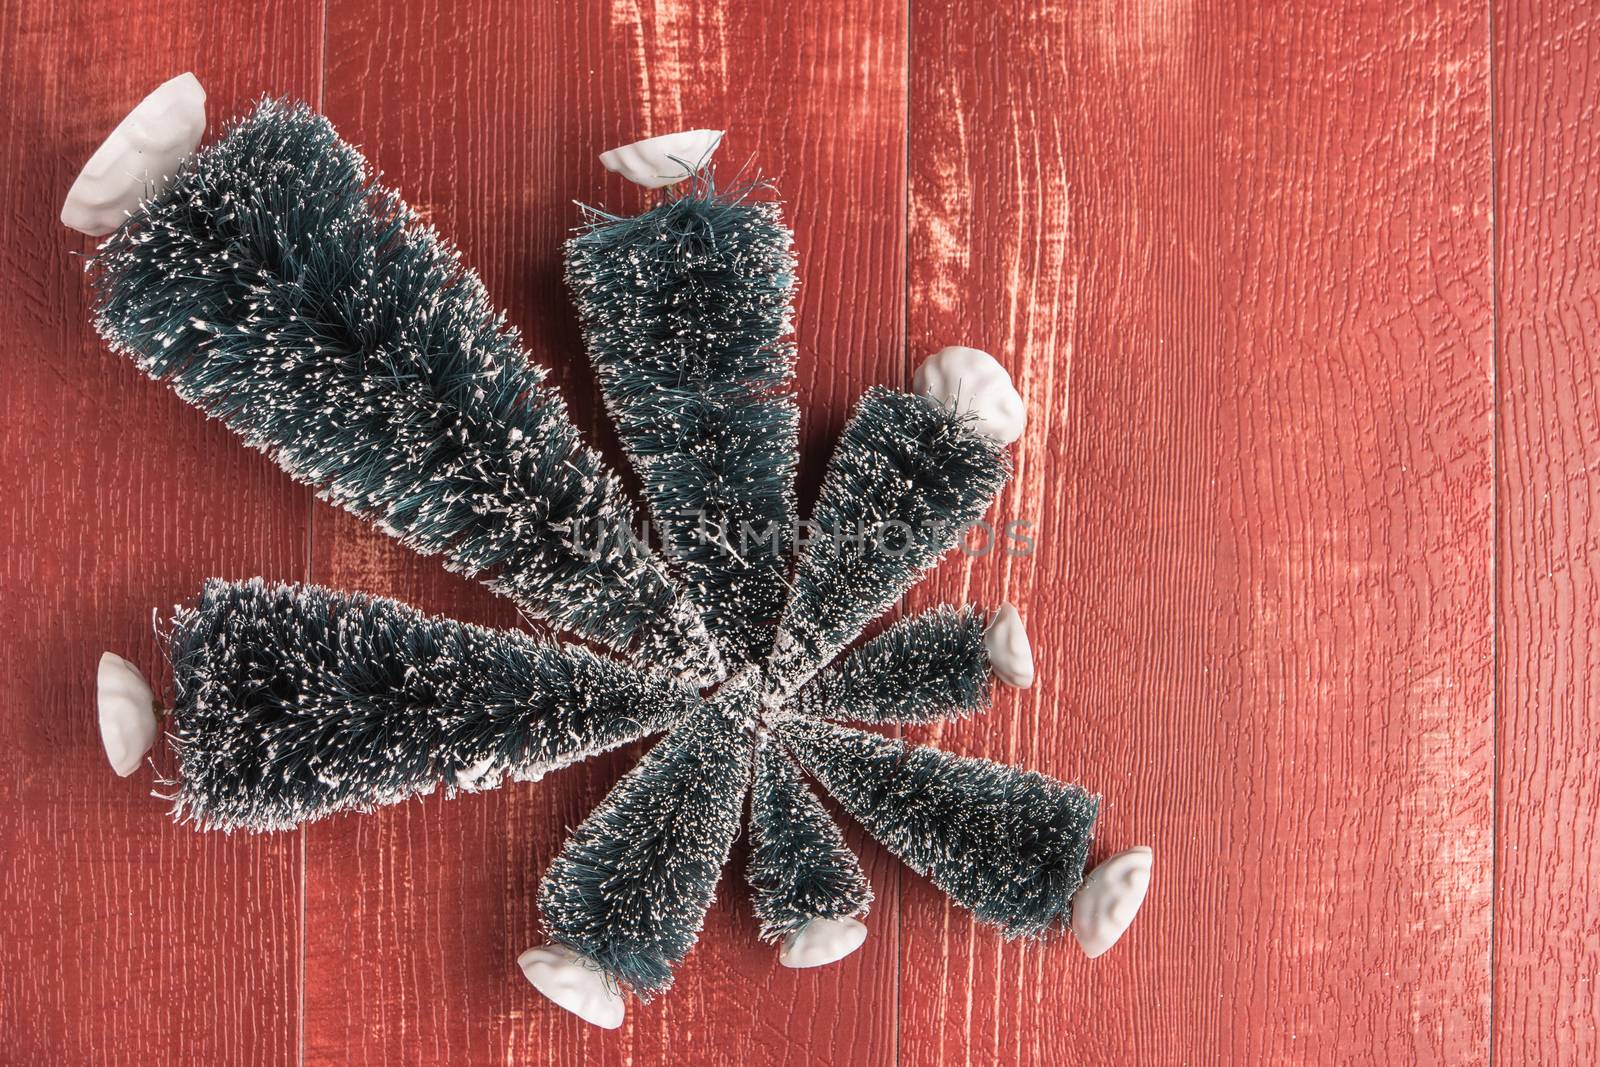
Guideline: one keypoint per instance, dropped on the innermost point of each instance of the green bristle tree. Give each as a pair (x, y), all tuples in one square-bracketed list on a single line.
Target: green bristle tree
[(687, 311), (295, 702), (278, 287), (800, 867), (906, 480), (1008, 844), (924, 668), (631, 887)]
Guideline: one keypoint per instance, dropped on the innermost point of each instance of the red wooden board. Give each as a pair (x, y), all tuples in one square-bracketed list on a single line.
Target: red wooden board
[(123, 937), (1239, 262), (415, 917), (1244, 264), (1547, 933)]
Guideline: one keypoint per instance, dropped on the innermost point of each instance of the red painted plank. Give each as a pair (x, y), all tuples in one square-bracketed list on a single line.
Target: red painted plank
[(491, 124), (124, 938), (1547, 204), (1238, 260)]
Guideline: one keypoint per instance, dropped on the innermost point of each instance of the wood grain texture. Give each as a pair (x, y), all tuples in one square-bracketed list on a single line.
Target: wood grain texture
[(491, 127), (1241, 264), (124, 938), (1547, 203), (1238, 261)]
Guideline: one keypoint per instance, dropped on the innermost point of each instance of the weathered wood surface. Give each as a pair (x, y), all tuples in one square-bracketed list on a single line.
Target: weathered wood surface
[(123, 939), (1547, 157), (1245, 265)]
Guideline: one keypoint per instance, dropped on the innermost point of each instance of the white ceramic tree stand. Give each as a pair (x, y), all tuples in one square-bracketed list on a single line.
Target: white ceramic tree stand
[(127, 709), (821, 942), (1111, 895), (574, 982), (660, 161), (1010, 652), (485, 774), (970, 380), (136, 161)]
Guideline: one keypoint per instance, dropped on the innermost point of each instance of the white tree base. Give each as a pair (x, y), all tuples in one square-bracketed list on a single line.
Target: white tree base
[(127, 709), (138, 158), (666, 160), (574, 982), (1111, 895), (972, 381), (485, 774), (1010, 651), (821, 942)]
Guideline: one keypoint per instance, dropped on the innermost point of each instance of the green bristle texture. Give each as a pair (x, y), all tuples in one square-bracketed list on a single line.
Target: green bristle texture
[(906, 480), (800, 867), (687, 310), (276, 286), (924, 668), (296, 702), (631, 888), (1008, 844)]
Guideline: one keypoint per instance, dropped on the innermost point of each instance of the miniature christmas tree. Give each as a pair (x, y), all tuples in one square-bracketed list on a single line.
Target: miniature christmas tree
[(687, 311), (276, 286), (924, 668), (279, 288), (1009, 844), (801, 871), (298, 702)]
